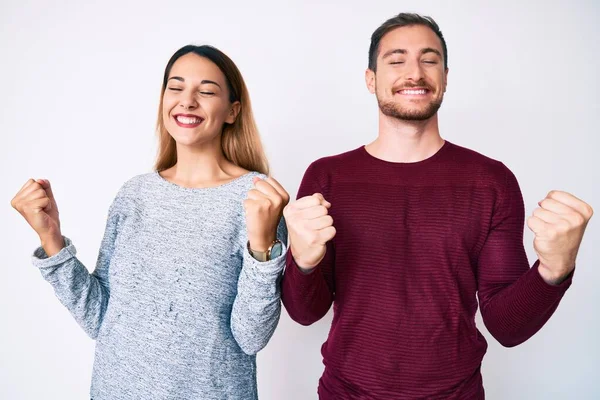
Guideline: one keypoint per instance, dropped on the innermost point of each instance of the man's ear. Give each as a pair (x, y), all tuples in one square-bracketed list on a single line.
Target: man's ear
[(370, 80)]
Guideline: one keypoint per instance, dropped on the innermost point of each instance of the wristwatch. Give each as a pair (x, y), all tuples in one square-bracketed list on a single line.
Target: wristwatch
[(274, 251)]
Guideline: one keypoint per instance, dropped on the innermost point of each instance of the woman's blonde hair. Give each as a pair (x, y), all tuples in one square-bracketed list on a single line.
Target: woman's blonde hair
[(240, 141)]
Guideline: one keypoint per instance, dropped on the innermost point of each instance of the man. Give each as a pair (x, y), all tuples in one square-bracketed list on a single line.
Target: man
[(421, 227)]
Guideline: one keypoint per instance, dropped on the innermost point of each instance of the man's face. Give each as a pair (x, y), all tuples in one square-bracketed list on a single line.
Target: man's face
[(411, 79)]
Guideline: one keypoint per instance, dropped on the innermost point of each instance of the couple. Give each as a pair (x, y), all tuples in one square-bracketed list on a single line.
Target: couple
[(402, 236)]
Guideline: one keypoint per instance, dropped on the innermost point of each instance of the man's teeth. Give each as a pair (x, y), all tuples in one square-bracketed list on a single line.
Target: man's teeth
[(188, 120), (408, 91)]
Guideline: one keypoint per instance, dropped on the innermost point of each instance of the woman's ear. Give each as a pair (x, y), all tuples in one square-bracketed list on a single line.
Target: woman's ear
[(234, 110)]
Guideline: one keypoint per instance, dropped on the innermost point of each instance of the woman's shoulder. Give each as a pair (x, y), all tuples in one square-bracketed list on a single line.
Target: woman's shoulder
[(243, 182), (135, 189), (133, 185)]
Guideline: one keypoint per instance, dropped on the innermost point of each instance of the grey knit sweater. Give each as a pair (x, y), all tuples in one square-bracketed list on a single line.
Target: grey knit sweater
[(177, 305)]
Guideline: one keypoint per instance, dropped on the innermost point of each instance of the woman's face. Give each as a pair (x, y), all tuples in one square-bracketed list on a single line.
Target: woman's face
[(196, 101)]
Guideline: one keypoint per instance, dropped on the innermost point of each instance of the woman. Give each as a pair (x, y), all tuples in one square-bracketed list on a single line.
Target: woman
[(185, 290)]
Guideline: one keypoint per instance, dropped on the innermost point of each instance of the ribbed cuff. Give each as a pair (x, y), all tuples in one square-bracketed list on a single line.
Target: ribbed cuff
[(41, 260), (293, 273), (269, 269), (545, 293)]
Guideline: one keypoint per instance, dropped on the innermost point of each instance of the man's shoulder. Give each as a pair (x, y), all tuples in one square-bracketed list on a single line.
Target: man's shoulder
[(335, 162), (478, 163)]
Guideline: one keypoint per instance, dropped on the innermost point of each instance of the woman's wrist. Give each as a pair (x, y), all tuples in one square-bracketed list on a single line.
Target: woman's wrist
[(52, 244)]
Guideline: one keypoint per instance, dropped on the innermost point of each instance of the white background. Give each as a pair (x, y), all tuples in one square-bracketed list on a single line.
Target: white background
[(78, 104)]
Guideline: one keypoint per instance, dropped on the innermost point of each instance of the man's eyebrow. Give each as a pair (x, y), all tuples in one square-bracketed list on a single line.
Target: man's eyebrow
[(394, 51)]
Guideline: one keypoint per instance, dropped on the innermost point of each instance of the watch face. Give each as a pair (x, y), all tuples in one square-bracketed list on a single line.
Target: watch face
[(276, 250)]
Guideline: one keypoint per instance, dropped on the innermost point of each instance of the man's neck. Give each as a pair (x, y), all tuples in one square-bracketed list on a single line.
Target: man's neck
[(404, 141)]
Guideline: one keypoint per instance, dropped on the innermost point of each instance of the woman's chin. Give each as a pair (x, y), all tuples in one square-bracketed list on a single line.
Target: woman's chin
[(192, 140)]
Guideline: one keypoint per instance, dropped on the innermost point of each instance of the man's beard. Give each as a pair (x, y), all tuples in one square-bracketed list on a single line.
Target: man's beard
[(395, 110)]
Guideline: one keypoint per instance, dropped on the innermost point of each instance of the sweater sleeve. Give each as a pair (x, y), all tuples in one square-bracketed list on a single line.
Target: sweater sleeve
[(257, 304), (85, 295), (308, 297), (515, 301)]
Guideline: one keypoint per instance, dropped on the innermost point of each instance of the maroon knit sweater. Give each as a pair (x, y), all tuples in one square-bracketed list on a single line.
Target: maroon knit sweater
[(416, 245)]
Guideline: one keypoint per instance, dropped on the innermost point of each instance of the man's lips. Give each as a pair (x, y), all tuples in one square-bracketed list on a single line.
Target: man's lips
[(414, 91)]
